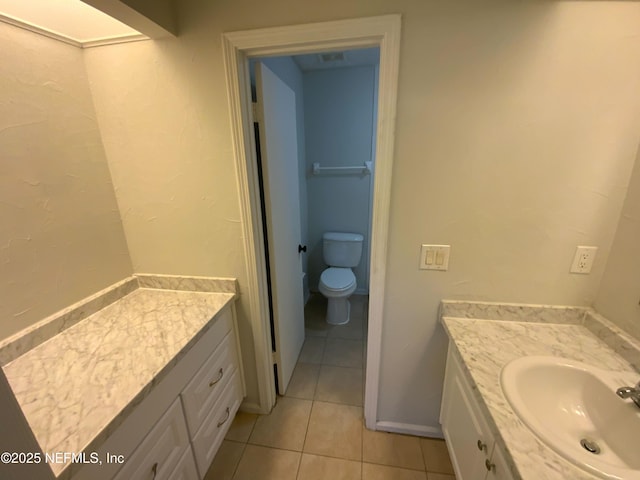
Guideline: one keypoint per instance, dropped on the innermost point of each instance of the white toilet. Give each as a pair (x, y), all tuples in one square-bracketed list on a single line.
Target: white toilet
[(341, 251)]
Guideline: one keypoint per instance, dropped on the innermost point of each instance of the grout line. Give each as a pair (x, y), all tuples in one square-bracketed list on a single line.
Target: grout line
[(274, 448), (253, 427), (362, 447), (342, 366), (389, 465), (299, 463), (338, 403), (304, 442), (235, 470), (324, 349), (424, 457)]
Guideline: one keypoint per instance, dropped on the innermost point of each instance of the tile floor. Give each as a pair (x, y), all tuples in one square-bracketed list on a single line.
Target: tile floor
[(316, 431)]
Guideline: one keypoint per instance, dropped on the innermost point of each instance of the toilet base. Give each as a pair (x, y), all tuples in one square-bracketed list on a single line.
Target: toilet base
[(338, 311)]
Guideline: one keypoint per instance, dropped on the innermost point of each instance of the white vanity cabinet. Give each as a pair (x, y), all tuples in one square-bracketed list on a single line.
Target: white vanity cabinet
[(472, 447), (175, 432)]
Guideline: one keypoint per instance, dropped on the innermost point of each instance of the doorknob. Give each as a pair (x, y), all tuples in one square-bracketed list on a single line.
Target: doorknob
[(302, 248)]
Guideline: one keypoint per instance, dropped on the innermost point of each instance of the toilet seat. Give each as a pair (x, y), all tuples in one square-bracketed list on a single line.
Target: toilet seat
[(335, 279)]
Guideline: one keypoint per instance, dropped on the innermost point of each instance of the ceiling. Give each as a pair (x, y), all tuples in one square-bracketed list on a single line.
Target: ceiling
[(71, 21)]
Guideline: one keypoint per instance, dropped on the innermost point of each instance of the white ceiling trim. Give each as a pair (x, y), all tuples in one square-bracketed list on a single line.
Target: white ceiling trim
[(97, 42), (134, 37), (38, 30)]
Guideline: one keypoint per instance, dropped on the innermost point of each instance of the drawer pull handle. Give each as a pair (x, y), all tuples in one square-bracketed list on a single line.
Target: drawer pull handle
[(225, 418), (482, 446), (220, 375), (154, 470), (489, 466)]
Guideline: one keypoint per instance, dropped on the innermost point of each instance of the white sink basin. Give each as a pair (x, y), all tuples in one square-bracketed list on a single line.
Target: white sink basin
[(563, 402)]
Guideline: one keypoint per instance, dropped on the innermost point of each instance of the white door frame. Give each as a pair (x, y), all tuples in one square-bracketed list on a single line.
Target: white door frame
[(382, 32)]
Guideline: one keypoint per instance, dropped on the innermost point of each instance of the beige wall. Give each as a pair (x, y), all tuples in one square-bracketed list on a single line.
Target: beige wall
[(61, 238), (619, 293), (517, 127), (168, 143)]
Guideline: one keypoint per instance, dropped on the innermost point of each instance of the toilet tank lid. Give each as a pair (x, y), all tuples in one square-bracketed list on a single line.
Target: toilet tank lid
[(343, 237)]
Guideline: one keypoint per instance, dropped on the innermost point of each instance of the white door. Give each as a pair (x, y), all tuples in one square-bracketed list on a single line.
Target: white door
[(279, 151)]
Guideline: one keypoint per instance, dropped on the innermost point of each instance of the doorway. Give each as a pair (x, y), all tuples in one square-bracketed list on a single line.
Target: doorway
[(328, 172), (382, 32)]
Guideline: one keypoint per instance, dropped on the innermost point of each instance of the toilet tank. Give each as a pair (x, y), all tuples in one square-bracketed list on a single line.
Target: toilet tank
[(342, 249)]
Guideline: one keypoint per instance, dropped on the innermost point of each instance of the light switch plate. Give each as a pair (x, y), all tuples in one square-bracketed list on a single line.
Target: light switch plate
[(434, 257)]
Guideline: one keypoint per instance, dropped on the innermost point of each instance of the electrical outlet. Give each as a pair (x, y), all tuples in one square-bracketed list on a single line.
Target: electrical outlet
[(583, 260), (434, 257)]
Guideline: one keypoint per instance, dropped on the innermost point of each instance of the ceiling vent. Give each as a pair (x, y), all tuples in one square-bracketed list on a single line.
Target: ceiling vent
[(332, 57)]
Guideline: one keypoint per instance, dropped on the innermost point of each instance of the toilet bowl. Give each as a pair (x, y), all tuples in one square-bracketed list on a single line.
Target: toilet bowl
[(341, 252), (337, 284)]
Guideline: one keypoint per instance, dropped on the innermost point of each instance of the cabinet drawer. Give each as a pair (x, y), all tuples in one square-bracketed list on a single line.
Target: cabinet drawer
[(161, 450), (202, 392), (186, 468), (212, 431)]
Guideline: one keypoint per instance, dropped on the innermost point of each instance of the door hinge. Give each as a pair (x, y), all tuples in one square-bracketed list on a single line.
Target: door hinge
[(274, 358), (254, 112)]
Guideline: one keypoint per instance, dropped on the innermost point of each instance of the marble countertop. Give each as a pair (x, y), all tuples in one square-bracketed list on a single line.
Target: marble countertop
[(486, 346), (72, 389)]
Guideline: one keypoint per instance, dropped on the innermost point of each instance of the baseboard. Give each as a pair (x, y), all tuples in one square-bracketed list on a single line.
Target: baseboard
[(410, 429), (251, 407)]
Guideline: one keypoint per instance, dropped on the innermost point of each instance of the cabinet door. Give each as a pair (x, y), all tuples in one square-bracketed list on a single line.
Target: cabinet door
[(161, 450), (498, 467), (186, 468), (468, 438)]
